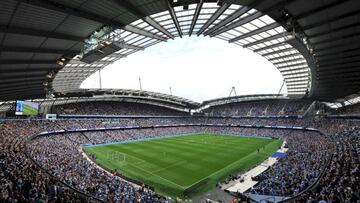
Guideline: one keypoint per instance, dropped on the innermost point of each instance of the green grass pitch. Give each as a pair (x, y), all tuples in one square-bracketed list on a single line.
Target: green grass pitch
[(184, 166)]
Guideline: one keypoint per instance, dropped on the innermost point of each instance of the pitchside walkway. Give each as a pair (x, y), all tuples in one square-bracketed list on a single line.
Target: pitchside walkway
[(247, 183)]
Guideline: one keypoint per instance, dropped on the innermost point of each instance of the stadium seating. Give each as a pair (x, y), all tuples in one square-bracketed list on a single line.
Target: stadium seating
[(261, 108), (331, 157), (114, 108)]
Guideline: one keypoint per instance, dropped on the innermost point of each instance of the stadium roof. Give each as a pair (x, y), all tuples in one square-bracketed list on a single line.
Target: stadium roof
[(242, 98), (120, 95), (314, 45)]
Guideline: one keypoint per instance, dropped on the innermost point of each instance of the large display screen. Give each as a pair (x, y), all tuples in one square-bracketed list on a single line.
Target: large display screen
[(26, 108)]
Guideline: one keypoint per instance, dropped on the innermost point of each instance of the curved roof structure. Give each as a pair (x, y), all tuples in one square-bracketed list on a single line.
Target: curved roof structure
[(314, 45), (235, 99), (118, 95)]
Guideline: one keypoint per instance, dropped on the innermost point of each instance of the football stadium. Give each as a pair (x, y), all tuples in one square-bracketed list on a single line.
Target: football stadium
[(61, 142)]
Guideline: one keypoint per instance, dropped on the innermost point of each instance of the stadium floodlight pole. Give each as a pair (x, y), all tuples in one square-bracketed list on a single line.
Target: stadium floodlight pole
[(233, 90), (100, 83), (170, 90), (140, 83), (281, 86)]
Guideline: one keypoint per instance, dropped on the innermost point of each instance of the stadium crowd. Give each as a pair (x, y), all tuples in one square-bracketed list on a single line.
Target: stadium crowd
[(20, 178), (341, 182), (306, 158), (261, 108), (59, 166), (348, 110), (114, 108)]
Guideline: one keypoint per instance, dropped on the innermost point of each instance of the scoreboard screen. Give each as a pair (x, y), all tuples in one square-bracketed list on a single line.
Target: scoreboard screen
[(26, 108)]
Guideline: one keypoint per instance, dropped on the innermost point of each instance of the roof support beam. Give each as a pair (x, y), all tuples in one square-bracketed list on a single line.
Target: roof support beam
[(22, 83), (214, 17), (289, 61), (329, 82), (254, 32), (24, 95), (280, 4), (297, 92), (138, 13), (130, 46), (72, 11), (292, 93), (336, 18), (157, 26), (287, 74), (270, 47), (82, 14), (145, 33), (75, 12), (341, 28), (237, 23), (174, 18), (11, 69), (236, 14), (340, 71), (37, 50), (338, 57), (31, 93), (344, 75), (320, 9), (10, 89), (27, 79), (352, 35), (302, 84), (297, 89), (50, 62), (298, 82), (277, 36), (196, 16), (341, 61), (337, 54), (285, 56), (295, 77), (292, 65), (337, 48), (341, 65), (278, 52), (295, 69), (39, 33), (87, 15), (24, 75), (66, 81)]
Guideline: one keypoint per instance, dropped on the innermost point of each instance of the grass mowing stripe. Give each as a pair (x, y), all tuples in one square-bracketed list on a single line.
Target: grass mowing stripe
[(231, 164), (158, 176), (185, 160), (175, 164)]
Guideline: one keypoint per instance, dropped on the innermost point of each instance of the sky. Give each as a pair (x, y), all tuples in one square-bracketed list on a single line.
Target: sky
[(196, 68)]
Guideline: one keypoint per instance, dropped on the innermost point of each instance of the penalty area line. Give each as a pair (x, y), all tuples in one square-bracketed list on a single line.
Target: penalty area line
[(172, 165), (182, 187)]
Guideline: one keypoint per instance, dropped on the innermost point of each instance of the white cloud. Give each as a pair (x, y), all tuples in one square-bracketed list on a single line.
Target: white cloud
[(196, 68)]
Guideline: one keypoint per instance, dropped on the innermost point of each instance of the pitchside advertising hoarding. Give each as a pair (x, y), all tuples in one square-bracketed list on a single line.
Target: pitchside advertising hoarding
[(26, 108)]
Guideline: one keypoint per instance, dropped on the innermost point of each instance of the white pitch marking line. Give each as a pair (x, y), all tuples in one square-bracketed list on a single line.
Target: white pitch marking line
[(172, 165), (158, 176)]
